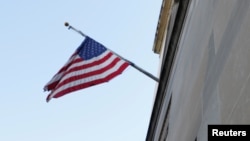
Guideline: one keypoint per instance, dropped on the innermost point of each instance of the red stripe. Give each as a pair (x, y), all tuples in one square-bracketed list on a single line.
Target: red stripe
[(54, 84), (89, 84), (64, 68), (92, 73), (95, 63), (69, 64)]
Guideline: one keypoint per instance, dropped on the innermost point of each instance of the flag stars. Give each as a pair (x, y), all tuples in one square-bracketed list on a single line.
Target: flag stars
[(90, 48)]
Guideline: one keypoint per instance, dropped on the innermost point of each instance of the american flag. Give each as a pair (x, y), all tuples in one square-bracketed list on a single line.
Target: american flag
[(91, 64)]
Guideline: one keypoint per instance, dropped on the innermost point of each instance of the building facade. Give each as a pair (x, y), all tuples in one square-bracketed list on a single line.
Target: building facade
[(204, 49)]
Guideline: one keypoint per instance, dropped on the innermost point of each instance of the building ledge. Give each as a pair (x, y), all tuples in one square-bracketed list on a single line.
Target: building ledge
[(157, 125)]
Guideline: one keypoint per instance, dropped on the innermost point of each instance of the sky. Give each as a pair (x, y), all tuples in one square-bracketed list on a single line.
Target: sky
[(35, 44)]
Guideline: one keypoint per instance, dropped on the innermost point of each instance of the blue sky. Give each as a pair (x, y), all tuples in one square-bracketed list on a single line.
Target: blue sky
[(35, 45)]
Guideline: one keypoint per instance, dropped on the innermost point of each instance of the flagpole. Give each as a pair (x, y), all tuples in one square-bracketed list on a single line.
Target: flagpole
[(131, 63)]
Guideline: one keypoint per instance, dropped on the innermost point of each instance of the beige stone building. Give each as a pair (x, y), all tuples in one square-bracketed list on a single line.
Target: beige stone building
[(204, 49)]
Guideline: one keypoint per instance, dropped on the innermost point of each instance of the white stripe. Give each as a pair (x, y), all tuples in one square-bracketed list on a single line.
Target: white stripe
[(89, 79), (90, 69), (89, 61), (58, 76)]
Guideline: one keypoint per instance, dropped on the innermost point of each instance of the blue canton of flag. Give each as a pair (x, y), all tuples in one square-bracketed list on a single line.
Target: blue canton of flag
[(90, 49)]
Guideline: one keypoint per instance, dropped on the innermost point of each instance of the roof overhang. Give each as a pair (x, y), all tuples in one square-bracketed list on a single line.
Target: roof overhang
[(162, 25)]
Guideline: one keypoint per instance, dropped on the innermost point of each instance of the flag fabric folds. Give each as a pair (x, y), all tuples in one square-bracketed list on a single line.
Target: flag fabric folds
[(89, 65)]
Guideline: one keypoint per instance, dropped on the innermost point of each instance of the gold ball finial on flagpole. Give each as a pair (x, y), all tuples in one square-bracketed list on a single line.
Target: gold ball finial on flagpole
[(66, 24), (71, 27)]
